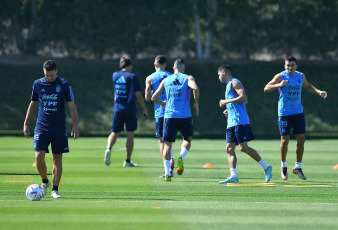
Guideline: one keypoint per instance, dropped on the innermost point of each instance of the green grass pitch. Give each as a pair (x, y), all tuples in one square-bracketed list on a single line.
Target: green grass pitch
[(99, 197)]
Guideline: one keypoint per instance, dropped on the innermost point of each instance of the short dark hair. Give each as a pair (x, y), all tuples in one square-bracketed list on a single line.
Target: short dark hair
[(225, 68), (125, 62), (160, 59), (49, 65), (290, 59), (179, 64)]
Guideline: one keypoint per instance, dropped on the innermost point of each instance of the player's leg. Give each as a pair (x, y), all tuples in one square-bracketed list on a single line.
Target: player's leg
[(167, 156), (117, 127), (41, 143), (299, 129), (232, 161), (284, 124), (129, 148), (57, 173), (185, 126)]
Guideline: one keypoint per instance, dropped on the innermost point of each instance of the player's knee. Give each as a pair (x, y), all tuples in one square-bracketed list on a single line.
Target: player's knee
[(243, 148), (229, 149), (284, 141)]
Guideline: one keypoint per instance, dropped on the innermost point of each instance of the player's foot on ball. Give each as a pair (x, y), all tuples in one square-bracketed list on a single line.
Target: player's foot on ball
[(230, 180), (284, 173), (172, 164), (167, 178), (129, 164), (44, 187), (268, 173), (180, 167), (55, 194), (299, 172), (107, 155)]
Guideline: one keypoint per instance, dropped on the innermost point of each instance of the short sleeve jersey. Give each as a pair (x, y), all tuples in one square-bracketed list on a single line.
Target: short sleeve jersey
[(125, 86), (156, 79), (290, 95), (51, 97), (178, 96), (237, 114)]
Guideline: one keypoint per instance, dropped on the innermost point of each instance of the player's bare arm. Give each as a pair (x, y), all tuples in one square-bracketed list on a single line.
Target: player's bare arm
[(140, 100), (275, 83), (30, 112), (73, 113), (148, 90), (309, 87), (237, 87), (155, 98), (192, 84)]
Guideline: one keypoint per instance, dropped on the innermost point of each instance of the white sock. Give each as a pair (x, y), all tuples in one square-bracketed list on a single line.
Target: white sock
[(172, 156), (184, 152), (298, 165), (167, 167), (284, 164), (233, 172), (263, 164)]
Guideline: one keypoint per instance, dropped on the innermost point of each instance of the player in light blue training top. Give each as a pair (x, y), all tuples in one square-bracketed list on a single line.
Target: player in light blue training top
[(126, 89), (49, 94), (290, 111), (238, 129), (177, 114), (152, 83)]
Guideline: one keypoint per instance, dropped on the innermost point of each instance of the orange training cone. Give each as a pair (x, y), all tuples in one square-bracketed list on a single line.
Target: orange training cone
[(335, 167), (208, 166)]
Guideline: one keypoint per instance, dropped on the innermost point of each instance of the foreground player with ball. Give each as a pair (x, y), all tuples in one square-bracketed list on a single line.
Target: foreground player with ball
[(49, 94)]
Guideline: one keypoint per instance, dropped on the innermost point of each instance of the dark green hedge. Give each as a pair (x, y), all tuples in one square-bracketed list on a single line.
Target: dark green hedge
[(93, 90)]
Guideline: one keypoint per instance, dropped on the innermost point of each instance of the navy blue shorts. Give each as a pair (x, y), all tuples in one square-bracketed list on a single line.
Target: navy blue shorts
[(56, 137), (239, 134), (121, 118), (172, 125), (296, 123), (159, 126)]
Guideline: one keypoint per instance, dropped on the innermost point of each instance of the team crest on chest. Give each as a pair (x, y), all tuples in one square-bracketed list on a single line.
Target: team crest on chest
[(58, 89)]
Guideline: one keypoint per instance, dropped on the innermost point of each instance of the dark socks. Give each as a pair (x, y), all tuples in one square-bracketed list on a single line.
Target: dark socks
[(128, 160), (45, 180), (55, 188)]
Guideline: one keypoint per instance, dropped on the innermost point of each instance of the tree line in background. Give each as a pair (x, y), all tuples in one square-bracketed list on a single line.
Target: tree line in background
[(201, 29)]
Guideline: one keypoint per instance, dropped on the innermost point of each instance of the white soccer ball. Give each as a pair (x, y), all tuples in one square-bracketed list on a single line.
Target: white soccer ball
[(34, 192)]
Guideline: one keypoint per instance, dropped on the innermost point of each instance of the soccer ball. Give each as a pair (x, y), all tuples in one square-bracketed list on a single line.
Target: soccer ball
[(34, 192)]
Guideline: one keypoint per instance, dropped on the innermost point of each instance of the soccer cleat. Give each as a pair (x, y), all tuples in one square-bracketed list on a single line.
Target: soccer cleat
[(129, 164), (299, 172), (107, 157), (55, 194), (180, 167), (163, 176), (284, 173), (268, 173), (167, 178), (172, 164), (230, 180), (44, 187)]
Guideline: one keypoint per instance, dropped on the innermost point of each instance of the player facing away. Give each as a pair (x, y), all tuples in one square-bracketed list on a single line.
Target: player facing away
[(238, 128), (153, 81), (49, 95), (177, 115), (290, 111), (126, 89)]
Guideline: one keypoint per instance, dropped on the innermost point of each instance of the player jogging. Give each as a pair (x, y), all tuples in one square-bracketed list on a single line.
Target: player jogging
[(177, 114), (238, 128), (49, 94), (126, 89), (153, 81), (290, 111)]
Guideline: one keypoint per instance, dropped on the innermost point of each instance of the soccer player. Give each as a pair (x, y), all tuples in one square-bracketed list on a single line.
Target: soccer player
[(153, 81), (290, 111), (49, 94), (177, 115), (126, 89), (238, 128)]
